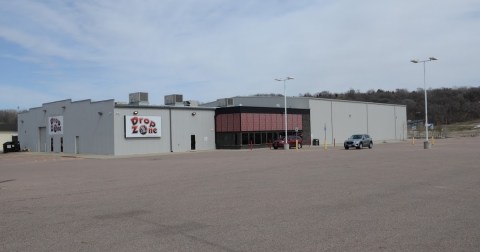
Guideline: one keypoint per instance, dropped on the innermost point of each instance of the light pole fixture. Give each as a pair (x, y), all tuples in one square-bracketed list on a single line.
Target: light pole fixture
[(285, 144), (426, 144)]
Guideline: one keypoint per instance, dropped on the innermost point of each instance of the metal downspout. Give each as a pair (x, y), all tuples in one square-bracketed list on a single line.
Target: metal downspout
[(331, 119), (170, 121)]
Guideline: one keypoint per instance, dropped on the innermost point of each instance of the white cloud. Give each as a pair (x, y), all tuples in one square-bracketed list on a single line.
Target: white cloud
[(212, 49)]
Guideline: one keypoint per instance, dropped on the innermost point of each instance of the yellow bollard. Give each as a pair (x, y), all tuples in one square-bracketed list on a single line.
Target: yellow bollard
[(296, 144), (413, 140)]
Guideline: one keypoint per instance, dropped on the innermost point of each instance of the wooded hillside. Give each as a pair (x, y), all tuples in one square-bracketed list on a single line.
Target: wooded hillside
[(8, 120)]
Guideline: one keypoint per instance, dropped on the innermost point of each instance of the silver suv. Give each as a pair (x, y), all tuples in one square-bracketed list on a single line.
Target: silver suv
[(358, 141)]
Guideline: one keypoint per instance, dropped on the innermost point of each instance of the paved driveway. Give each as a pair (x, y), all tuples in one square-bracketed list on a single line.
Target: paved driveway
[(394, 197)]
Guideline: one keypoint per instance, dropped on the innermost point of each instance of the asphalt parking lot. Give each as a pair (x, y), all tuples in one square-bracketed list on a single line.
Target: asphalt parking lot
[(394, 197)]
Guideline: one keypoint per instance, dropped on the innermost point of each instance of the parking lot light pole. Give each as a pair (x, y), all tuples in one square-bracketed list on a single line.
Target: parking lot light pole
[(285, 144), (426, 144)]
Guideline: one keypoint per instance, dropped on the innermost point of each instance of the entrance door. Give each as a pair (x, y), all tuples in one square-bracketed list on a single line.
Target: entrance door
[(42, 140), (192, 142)]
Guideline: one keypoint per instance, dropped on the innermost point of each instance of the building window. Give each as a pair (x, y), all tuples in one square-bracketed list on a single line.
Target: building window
[(244, 138), (258, 138)]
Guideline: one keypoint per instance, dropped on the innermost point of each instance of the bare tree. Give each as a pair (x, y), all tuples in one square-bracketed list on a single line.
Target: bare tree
[(8, 120)]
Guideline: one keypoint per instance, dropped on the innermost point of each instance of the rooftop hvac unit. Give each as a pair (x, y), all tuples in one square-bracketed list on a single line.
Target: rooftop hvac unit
[(173, 99), (139, 98)]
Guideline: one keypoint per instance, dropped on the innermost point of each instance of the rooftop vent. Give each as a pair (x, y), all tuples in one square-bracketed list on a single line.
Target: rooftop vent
[(190, 103), (139, 98)]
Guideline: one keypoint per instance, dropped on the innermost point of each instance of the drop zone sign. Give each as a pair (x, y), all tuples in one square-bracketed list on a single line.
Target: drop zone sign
[(55, 125), (143, 126)]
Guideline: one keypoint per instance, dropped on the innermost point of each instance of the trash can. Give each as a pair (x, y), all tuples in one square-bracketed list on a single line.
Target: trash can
[(7, 147), (316, 142), (11, 147)]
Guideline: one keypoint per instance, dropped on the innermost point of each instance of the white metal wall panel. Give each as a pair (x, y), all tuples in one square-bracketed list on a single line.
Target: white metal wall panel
[(91, 122), (175, 131), (381, 122), (200, 123), (265, 101), (28, 129), (272, 101), (348, 118), (131, 146), (401, 122), (321, 116), (343, 118)]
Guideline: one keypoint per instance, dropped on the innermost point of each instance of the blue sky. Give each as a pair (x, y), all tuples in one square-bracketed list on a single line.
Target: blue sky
[(53, 50)]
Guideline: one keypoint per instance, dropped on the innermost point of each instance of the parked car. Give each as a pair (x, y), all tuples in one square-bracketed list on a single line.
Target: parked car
[(358, 141), (279, 143)]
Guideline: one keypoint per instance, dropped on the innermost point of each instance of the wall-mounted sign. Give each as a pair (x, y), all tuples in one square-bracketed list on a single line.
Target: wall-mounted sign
[(55, 125), (143, 126)]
